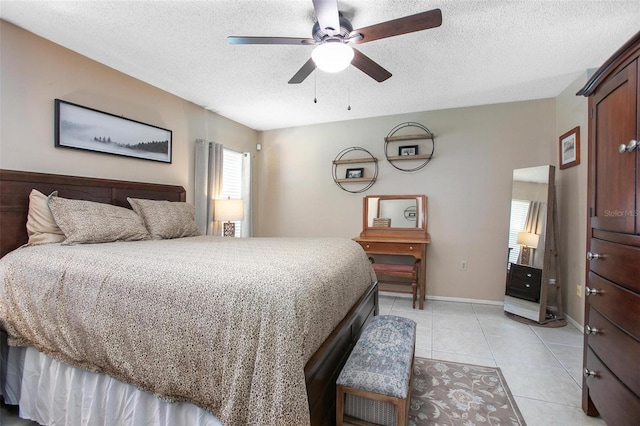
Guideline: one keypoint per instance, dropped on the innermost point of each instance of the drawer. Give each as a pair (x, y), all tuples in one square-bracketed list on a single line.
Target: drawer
[(619, 351), (391, 248), (616, 404), (525, 272), (617, 304), (618, 263), (524, 290), (524, 282)]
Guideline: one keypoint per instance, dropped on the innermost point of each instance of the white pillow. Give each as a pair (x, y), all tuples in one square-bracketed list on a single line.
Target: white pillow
[(41, 226)]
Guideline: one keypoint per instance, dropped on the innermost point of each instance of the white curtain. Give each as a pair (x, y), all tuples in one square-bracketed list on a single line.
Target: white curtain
[(208, 185), (247, 223)]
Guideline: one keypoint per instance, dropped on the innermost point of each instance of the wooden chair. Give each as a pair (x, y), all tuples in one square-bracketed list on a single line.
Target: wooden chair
[(400, 271)]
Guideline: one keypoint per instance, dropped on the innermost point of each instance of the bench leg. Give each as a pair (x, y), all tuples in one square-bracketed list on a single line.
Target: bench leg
[(339, 405), (401, 409)]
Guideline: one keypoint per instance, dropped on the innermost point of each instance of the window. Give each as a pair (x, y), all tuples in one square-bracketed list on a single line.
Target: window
[(519, 210), (232, 179)]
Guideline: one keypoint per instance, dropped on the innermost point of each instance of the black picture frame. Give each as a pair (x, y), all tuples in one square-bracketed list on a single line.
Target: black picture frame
[(355, 173), (408, 150), (84, 128)]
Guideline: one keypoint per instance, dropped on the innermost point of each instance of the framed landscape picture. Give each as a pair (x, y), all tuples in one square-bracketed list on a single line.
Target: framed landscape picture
[(570, 148), (79, 127)]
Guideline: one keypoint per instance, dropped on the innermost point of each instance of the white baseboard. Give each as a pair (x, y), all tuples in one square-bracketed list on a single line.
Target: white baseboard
[(570, 320), (465, 300), (574, 323), (445, 299)]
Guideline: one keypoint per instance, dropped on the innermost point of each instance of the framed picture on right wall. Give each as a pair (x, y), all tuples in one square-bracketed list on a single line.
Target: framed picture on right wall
[(569, 146)]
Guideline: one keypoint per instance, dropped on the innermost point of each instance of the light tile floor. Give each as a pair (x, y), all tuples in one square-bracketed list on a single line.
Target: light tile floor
[(542, 366)]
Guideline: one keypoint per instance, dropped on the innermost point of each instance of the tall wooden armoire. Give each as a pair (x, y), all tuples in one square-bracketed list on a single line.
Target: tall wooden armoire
[(611, 384)]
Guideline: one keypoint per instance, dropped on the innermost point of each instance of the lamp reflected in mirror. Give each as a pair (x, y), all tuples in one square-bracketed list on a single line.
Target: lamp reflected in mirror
[(529, 243)]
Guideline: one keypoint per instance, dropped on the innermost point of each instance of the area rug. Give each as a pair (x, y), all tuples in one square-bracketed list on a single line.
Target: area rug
[(450, 393)]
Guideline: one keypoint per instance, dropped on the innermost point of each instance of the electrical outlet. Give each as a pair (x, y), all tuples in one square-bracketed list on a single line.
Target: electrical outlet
[(579, 290), (463, 265)]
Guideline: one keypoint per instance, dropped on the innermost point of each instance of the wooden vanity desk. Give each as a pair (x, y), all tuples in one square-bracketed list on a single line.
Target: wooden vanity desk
[(405, 234)]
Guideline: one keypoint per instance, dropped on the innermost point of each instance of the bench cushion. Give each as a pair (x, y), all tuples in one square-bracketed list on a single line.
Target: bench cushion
[(381, 359)]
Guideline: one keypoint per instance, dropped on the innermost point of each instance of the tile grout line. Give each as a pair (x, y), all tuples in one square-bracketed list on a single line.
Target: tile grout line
[(493, 356)]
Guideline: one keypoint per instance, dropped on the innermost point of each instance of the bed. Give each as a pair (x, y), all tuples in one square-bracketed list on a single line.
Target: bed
[(323, 357)]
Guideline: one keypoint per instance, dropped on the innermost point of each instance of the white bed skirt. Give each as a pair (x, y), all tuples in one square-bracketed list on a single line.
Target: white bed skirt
[(53, 393)]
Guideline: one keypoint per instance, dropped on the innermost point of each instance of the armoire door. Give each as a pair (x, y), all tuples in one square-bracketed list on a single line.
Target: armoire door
[(614, 113)]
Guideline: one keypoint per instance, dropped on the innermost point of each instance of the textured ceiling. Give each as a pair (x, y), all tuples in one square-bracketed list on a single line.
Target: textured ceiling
[(485, 52)]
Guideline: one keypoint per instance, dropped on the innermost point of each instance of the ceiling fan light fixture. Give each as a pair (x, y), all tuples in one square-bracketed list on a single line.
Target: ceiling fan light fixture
[(332, 56)]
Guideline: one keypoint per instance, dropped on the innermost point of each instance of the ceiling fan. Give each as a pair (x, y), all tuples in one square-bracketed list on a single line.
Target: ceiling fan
[(332, 34)]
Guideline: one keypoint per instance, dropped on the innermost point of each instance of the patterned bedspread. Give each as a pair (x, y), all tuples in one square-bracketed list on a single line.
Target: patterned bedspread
[(227, 324)]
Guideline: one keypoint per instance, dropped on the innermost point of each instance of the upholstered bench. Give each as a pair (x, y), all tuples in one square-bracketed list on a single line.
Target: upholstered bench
[(374, 385)]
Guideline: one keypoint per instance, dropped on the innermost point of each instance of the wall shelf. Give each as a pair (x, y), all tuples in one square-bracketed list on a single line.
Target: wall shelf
[(362, 157), (409, 137), (355, 160), (418, 133), (354, 180), (409, 157)]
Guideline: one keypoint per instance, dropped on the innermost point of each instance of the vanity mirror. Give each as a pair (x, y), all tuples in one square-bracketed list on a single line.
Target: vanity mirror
[(533, 285), (399, 215)]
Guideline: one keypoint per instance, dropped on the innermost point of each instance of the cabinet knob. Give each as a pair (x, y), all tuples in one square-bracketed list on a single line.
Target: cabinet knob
[(594, 256), (591, 291), (589, 373), (410, 247), (528, 275), (367, 245), (590, 330), (633, 144)]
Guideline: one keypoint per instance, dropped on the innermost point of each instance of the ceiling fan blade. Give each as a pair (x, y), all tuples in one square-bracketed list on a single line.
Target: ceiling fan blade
[(270, 40), (327, 14), (408, 24), (369, 67), (303, 72)]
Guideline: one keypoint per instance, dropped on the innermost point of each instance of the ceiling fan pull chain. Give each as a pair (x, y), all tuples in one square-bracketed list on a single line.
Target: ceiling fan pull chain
[(348, 98), (315, 87)]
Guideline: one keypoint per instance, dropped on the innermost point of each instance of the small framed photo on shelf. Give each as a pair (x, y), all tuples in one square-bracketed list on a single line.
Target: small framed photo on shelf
[(570, 148), (408, 150), (355, 173)]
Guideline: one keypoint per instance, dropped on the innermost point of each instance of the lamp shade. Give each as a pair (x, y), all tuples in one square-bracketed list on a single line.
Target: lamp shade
[(528, 239), (332, 56), (228, 210)]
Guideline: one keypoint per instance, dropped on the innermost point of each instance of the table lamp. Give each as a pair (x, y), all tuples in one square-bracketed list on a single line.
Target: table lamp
[(228, 210)]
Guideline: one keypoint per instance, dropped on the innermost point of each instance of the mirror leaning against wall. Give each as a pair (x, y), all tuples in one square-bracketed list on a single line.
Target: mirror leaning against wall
[(533, 291)]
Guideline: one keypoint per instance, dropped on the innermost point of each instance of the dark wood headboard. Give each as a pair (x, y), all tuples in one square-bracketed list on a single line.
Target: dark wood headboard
[(15, 187)]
